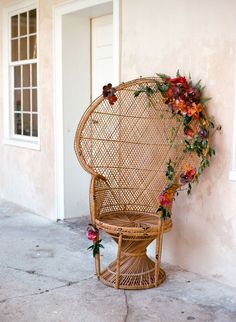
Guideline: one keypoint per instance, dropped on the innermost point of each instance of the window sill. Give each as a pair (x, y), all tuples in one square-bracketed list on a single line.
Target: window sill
[(32, 145), (232, 175)]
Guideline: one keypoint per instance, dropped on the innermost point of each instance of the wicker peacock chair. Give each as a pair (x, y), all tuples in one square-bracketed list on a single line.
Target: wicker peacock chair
[(125, 148)]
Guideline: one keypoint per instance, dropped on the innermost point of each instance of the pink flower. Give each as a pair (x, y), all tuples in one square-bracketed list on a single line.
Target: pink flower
[(92, 233)]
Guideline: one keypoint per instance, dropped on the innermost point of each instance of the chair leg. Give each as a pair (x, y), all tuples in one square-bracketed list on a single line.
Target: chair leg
[(118, 261), (158, 251), (97, 261)]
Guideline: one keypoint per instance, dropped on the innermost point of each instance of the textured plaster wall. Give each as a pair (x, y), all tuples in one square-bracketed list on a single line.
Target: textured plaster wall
[(197, 37), (157, 36), (27, 176)]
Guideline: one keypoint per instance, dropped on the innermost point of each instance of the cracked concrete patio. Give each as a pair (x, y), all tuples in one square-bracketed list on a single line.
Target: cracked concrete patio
[(47, 274)]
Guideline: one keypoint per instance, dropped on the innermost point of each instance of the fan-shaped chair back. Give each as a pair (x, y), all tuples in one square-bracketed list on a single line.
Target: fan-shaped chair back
[(129, 144)]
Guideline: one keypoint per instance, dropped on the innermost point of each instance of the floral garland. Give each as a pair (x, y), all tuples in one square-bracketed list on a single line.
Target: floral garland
[(185, 101)]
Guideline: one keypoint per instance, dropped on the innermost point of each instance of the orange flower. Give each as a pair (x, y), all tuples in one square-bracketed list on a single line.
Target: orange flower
[(194, 109), (181, 106)]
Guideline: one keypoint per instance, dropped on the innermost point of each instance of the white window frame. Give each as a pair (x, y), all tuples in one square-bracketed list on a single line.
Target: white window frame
[(10, 138)]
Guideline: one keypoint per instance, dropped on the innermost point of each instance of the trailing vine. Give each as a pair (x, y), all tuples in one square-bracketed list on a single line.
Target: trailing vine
[(186, 102)]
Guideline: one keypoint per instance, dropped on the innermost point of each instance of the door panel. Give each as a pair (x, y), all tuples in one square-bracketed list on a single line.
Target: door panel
[(83, 67), (102, 53)]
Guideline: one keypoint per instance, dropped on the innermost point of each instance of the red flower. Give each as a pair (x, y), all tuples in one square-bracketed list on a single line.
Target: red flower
[(180, 80), (166, 198), (112, 99), (169, 93), (191, 173), (92, 233)]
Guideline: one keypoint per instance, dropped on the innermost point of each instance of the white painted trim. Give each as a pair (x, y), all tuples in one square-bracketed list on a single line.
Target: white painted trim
[(8, 137), (232, 173), (22, 144), (21, 6), (117, 42), (58, 12)]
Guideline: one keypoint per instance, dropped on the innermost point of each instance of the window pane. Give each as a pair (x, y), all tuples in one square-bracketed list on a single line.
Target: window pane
[(14, 26), (23, 23), (34, 75), (33, 47), (26, 124), (18, 123), (17, 76), (14, 50), (35, 125), (26, 100), (32, 21), (17, 100), (23, 48), (34, 100), (26, 75)]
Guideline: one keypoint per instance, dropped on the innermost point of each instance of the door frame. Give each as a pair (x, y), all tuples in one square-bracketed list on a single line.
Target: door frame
[(58, 12)]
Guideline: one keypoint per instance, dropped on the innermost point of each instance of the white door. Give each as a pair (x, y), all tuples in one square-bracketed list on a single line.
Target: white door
[(102, 53), (80, 74)]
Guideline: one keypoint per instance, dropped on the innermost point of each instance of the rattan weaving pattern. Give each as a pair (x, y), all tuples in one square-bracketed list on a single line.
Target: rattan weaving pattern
[(125, 147)]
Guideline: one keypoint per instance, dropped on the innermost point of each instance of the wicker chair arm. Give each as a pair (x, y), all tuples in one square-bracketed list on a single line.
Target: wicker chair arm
[(96, 196)]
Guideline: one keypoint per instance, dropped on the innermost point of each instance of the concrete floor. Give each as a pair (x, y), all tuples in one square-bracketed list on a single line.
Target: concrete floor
[(47, 274)]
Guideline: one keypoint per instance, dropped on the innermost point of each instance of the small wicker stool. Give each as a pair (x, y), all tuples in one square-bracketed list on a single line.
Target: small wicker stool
[(125, 148)]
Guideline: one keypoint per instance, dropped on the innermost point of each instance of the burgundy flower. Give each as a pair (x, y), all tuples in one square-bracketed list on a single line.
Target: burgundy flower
[(187, 176), (202, 133), (109, 93), (194, 95), (180, 81)]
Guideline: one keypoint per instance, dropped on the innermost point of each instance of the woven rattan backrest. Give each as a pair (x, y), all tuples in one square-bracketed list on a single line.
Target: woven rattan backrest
[(129, 143)]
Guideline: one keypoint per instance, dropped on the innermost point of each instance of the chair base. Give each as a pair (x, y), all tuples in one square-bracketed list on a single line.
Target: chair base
[(141, 274)]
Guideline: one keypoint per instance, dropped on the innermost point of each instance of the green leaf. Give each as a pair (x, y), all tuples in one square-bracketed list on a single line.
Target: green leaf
[(211, 124), (211, 152), (187, 120), (149, 91), (189, 188), (204, 143), (200, 169), (163, 76), (136, 93), (170, 171), (203, 100), (198, 85)]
